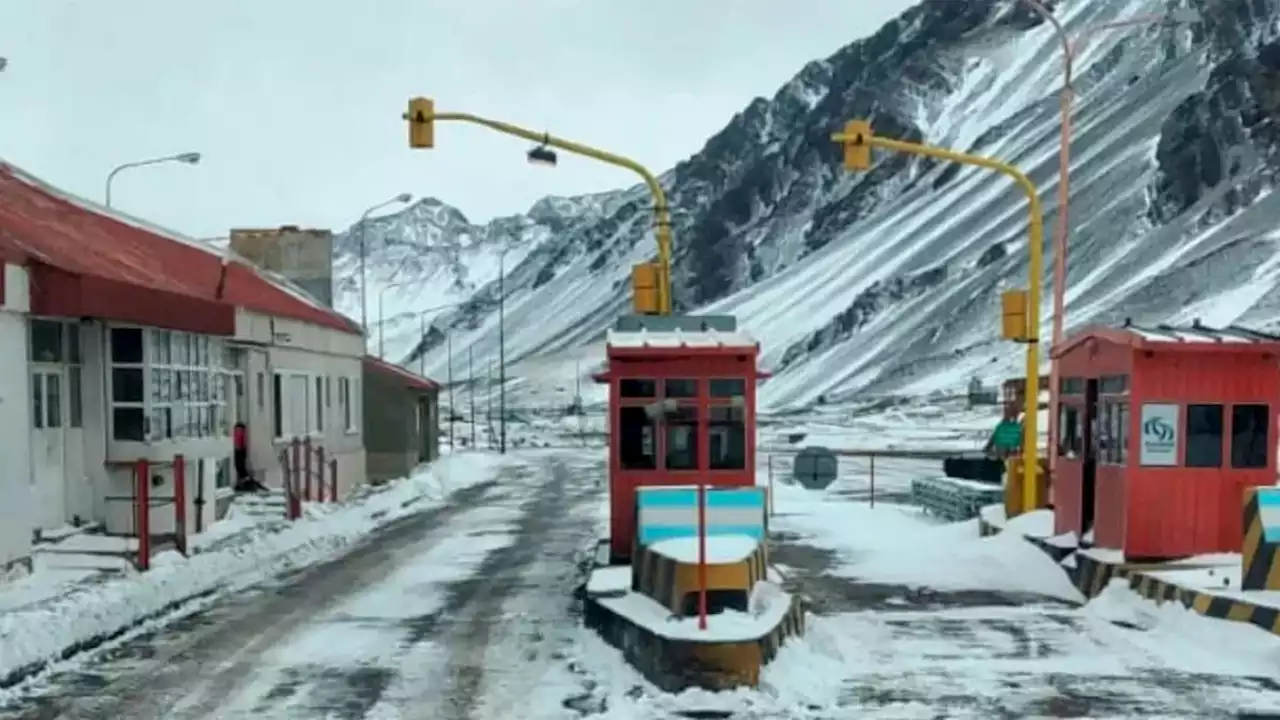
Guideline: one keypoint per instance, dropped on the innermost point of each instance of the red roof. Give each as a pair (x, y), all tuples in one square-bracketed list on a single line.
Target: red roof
[(410, 380), (86, 262)]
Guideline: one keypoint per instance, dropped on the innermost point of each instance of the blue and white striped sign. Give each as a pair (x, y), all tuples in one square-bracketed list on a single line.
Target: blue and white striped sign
[(1269, 513), (664, 513)]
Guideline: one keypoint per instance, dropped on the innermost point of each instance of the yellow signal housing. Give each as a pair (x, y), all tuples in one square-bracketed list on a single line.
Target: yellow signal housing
[(1013, 315), (857, 145), (422, 125), (644, 288)]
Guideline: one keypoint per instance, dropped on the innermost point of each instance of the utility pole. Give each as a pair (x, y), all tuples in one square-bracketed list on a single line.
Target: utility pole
[(577, 402), (502, 352), (453, 409), (488, 406), (471, 390), (422, 344)]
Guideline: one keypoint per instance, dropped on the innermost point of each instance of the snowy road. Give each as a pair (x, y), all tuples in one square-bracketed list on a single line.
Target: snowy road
[(450, 613)]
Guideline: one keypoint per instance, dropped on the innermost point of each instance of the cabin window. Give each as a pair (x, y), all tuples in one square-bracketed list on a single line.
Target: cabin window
[(1070, 440), (1113, 433), (636, 439), (727, 437), (682, 439), (1204, 436), (1113, 384), (1071, 386), (1249, 429), (728, 388), (680, 388), (636, 388)]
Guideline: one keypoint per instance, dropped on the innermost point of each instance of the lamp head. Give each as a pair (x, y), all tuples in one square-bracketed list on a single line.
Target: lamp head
[(542, 155)]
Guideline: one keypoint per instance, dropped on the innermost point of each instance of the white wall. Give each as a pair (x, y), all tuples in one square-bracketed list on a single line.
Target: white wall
[(16, 510), (280, 345)]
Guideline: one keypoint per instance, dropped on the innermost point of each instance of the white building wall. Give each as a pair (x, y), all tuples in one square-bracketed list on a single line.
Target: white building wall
[(290, 349), (17, 508)]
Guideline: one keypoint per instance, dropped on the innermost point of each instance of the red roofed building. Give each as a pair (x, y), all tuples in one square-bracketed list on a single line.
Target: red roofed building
[(138, 343), (402, 419)]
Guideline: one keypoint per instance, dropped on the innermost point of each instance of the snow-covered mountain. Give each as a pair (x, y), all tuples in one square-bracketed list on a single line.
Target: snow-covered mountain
[(888, 281)]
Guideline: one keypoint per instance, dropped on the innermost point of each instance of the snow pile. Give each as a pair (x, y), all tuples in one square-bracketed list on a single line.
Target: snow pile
[(893, 544), (35, 635)]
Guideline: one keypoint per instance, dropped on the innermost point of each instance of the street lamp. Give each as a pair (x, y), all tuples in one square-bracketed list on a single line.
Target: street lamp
[(502, 343), (402, 198), (1070, 49), (542, 155), (186, 158)]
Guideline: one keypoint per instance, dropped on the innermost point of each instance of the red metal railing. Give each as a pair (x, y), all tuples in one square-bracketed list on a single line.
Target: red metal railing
[(143, 501), (308, 471)]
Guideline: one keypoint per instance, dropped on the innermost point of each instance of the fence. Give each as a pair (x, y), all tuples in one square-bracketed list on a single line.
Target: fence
[(871, 476), (954, 499), (305, 478)]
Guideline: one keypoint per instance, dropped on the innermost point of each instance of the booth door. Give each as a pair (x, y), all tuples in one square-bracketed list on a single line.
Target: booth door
[(1089, 464)]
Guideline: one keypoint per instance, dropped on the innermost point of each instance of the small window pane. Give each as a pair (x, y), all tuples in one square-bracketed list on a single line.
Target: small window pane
[(160, 354), (1250, 425), (727, 438), (126, 346), (75, 408), (319, 405), (637, 388), (680, 388), (728, 388), (128, 424), (126, 385), (682, 439), (1204, 436), (37, 400), (53, 388), (637, 446), (73, 344), (46, 341), (1113, 384)]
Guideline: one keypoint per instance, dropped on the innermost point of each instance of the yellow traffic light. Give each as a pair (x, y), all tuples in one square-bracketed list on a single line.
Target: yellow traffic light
[(857, 145), (1013, 315), (422, 127), (644, 289)]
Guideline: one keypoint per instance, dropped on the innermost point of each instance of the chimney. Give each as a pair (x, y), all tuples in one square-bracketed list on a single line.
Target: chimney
[(303, 255)]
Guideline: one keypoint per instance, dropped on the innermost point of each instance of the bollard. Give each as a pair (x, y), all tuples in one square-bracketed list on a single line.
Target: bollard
[(180, 503)]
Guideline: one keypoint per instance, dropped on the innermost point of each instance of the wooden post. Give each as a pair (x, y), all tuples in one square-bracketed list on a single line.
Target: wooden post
[(180, 503), (702, 556), (142, 498)]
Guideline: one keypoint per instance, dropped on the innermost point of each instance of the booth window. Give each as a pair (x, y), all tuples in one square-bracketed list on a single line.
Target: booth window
[(1070, 443), (636, 449), (1113, 384), (728, 437), (1249, 428), (680, 388), (1204, 436), (637, 388), (1112, 439), (1071, 386), (682, 439)]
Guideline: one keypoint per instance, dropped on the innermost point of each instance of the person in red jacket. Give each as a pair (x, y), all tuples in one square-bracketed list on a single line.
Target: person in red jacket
[(245, 482)]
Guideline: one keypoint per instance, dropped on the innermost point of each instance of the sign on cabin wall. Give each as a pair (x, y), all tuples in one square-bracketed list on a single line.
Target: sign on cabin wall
[(1159, 435)]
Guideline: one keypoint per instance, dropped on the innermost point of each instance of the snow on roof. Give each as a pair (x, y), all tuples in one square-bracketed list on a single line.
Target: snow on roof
[(678, 339), (62, 230), (1201, 334)]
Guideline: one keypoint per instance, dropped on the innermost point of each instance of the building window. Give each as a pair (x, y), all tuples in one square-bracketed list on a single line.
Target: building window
[(328, 391), (296, 403), (728, 388), (727, 437), (46, 341), (319, 404), (1113, 384), (1204, 436), (262, 391), (347, 402), (75, 410), (1071, 442), (636, 443), (680, 388), (637, 388), (1071, 386), (1113, 434), (1250, 425), (187, 384), (277, 403), (128, 385), (682, 439), (37, 400)]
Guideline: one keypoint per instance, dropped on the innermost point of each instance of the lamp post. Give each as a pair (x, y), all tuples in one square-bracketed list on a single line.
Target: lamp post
[(1062, 228), (651, 282), (502, 352), (186, 158), (402, 199)]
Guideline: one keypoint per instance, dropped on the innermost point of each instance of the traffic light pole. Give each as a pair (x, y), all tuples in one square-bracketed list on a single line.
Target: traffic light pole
[(858, 141)]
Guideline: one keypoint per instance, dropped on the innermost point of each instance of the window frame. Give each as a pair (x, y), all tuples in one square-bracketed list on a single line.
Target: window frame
[(1223, 431), (184, 386), (1230, 431), (717, 400)]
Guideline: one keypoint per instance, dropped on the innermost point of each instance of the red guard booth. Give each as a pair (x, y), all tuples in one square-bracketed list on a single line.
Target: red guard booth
[(1160, 432), (682, 399)]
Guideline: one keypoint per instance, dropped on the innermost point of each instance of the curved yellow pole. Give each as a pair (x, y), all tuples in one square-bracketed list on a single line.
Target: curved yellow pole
[(1030, 423), (662, 214)]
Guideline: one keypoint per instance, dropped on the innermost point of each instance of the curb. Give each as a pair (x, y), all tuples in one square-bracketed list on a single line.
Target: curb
[(21, 674), (1091, 576)]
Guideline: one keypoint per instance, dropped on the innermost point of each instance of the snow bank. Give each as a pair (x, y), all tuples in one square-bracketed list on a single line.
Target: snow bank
[(893, 544), (36, 635)]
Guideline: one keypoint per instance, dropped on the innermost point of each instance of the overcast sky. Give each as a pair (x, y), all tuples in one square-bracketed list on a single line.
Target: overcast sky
[(296, 104)]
